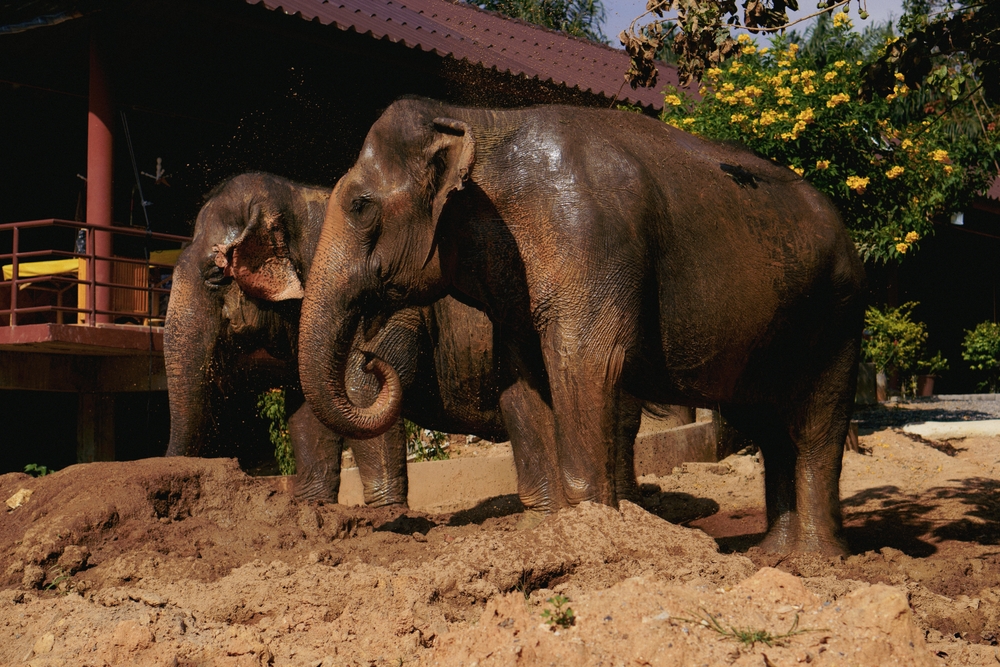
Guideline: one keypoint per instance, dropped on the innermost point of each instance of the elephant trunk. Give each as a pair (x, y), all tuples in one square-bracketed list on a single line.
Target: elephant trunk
[(189, 346), (327, 332)]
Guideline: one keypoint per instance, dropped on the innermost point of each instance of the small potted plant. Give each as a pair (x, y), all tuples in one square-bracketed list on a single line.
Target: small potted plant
[(981, 348), (931, 368), (892, 342)]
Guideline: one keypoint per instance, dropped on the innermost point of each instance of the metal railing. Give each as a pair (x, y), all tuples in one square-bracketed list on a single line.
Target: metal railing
[(133, 293)]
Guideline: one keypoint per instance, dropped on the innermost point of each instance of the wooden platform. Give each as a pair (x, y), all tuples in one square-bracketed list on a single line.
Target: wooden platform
[(101, 340)]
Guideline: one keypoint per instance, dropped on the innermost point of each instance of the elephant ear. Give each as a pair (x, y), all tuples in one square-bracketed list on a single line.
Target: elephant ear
[(259, 260), (452, 155)]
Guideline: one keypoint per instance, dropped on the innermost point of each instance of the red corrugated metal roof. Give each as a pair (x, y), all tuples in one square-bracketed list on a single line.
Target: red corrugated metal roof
[(465, 32)]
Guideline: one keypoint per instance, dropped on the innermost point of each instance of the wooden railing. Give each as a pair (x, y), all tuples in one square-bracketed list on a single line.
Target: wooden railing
[(134, 294)]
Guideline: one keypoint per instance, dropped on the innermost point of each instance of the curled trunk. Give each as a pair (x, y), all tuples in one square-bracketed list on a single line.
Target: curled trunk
[(327, 334)]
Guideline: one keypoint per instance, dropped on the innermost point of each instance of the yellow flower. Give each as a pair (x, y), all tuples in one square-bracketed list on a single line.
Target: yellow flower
[(784, 63), (911, 237), (793, 49), (728, 86), (688, 121), (948, 169), (901, 248), (789, 135), (673, 100), (743, 39), (894, 172), (777, 81), (762, 50), (808, 89), (748, 50), (737, 118), (939, 155), (806, 115), (906, 144), (714, 72), (735, 68), (900, 77), (794, 78), (839, 63), (837, 99), (798, 170), (768, 117), (830, 76), (842, 19), (857, 183), (809, 73), (822, 164)]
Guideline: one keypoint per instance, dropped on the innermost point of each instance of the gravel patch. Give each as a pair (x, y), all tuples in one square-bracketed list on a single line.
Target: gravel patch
[(945, 408)]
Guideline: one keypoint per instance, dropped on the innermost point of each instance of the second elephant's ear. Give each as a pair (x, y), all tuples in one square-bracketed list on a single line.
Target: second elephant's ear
[(259, 260), (452, 155)]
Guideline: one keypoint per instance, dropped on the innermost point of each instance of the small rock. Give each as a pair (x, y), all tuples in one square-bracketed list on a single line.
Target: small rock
[(19, 498), (74, 558), (44, 643), (33, 576)]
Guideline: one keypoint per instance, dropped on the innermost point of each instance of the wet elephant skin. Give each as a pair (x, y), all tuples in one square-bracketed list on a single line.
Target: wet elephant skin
[(237, 289), (621, 260)]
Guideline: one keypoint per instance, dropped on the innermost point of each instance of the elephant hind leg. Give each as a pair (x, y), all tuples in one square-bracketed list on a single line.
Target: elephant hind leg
[(803, 447)]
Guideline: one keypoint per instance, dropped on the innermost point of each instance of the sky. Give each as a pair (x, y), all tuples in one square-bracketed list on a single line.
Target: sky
[(621, 12)]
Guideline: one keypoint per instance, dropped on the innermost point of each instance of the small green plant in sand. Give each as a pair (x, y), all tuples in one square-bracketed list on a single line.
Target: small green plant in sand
[(36, 470), (748, 636), (59, 577), (560, 614)]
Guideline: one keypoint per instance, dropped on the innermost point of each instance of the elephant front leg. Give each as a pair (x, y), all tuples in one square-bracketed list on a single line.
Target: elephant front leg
[(317, 456), (596, 422), (382, 466), (531, 426)]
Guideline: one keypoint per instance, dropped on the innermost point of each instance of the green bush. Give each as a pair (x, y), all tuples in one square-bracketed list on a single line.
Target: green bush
[(894, 341), (981, 348), (272, 408)]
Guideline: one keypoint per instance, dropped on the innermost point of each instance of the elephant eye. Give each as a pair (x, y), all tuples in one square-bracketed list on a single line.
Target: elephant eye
[(361, 203), (214, 276)]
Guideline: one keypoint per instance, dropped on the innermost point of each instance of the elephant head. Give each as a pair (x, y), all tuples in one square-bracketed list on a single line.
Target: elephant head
[(379, 252), (237, 286)]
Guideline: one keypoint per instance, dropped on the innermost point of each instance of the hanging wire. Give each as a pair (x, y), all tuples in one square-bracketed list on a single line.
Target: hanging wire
[(149, 283)]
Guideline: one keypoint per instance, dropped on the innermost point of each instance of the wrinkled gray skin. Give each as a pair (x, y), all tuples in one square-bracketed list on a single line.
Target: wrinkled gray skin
[(621, 260), (237, 289)]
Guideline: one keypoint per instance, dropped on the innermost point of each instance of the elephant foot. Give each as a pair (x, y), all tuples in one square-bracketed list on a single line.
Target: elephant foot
[(785, 536), (314, 487)]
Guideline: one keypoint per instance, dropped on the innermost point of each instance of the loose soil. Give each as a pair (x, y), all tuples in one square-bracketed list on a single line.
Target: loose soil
[(192, 562)]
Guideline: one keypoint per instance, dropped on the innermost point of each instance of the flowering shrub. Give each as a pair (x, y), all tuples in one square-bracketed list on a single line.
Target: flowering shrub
[(981, 348), (888, 176)]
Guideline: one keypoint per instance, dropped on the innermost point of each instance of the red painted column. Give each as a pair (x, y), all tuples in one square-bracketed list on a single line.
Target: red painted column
[(99, 174)]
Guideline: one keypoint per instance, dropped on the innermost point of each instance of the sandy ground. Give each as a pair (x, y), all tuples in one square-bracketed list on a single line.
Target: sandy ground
[(191, 562)]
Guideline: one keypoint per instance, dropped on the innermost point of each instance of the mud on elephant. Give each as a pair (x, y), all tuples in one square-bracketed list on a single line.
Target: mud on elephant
[(621, 260), (237, 289)]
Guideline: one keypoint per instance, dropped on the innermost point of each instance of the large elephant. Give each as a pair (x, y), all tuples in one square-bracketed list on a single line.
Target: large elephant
[(237, 289), (621, 260)]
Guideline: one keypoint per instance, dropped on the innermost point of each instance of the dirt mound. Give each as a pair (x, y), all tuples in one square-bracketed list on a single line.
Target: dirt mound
[(191, 562)]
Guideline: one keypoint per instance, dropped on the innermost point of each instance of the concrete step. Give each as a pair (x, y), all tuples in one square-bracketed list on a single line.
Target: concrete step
[(448, 486)]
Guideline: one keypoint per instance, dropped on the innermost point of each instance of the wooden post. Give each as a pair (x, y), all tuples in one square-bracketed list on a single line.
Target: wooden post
[(95, 427), (100, 147)]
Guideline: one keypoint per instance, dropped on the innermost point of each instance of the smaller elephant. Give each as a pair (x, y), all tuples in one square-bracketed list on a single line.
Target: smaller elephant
[(237, 289)]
